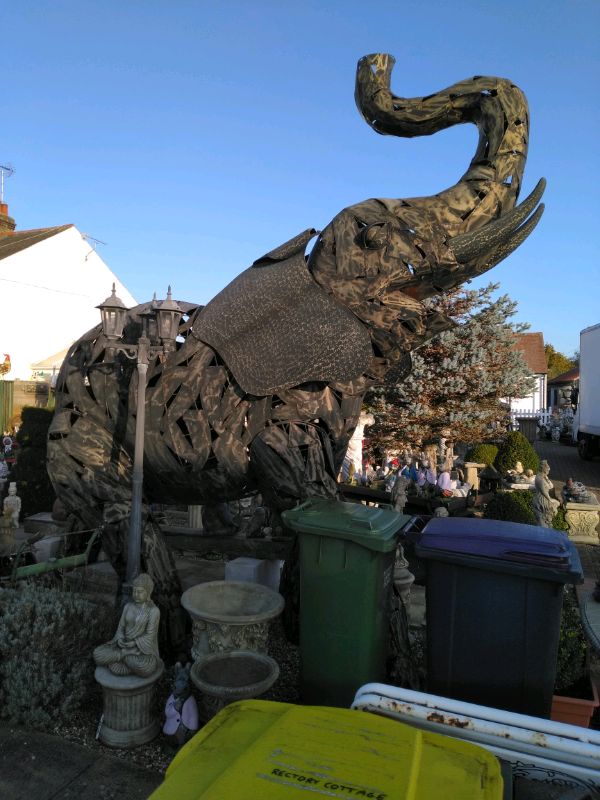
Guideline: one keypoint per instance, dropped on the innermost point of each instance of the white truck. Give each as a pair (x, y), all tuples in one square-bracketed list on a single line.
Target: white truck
[(586, 425)]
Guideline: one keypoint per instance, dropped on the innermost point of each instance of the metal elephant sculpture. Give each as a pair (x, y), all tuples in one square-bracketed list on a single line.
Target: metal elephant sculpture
[(265, 386)]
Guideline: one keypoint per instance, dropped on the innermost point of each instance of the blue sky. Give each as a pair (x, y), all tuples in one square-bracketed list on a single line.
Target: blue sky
[(192, 137)]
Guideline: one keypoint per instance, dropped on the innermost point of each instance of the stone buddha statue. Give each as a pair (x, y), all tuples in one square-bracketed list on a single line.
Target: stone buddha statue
[(134, 648)]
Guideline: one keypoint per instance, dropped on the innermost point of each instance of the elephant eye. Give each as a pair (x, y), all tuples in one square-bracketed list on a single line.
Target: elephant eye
[(374, 236)]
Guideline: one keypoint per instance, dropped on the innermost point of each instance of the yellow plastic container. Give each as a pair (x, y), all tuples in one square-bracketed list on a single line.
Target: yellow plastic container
[(256, 750)]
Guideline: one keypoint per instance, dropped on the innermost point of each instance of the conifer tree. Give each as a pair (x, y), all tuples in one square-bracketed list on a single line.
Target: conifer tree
[(558, 363), (459, 378)]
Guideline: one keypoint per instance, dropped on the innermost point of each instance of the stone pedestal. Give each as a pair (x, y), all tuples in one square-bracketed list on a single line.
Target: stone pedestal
[(582, 519), (471, 470), (403, 579), (267, 572), (44, 523), (195, 517), (128, 700)]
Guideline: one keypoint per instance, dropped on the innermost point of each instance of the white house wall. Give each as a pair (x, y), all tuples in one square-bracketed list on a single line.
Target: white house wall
[(536, 400), (49, 293)]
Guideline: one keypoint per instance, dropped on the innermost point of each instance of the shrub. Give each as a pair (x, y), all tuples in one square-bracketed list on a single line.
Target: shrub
[(516, 448), (559, 523), (517, 506), (483, 454), (571, 660), (46, 642), (511, 506), (30, 472)]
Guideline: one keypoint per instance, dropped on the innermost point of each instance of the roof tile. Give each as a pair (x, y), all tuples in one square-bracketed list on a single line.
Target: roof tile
[(532, 347), (11, 243)]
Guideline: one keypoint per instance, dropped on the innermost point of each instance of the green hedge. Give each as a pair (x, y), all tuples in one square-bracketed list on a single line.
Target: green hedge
[(570, 663), (46, 642), (511, 506), (482, 454), (30, 472), (516, 448), (517, 506)]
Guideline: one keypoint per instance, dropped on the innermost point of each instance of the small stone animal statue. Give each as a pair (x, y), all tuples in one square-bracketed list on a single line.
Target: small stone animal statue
[(264, 388), (181, 711)]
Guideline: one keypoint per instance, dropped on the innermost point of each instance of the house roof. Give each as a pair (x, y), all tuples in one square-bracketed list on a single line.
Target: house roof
[(532, 347), (566, 377), (51, 361), (11, 243)]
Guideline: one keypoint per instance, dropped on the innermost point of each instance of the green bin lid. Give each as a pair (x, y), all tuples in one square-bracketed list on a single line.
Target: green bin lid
[(369, 526)]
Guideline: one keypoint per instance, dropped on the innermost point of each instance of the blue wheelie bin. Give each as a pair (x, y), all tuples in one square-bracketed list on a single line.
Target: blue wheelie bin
[(494, 599)]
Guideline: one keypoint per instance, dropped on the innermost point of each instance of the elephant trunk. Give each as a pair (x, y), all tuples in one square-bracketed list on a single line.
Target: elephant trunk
[(491, 185)]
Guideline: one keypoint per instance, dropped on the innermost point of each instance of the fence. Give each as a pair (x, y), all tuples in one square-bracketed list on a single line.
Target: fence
[(544, 415)]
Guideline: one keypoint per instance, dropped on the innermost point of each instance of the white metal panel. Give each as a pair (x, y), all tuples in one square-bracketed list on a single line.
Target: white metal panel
[(589, 381)]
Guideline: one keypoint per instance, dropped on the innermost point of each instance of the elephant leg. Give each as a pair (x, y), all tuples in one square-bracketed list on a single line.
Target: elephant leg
[(91, 474), (291, 462)]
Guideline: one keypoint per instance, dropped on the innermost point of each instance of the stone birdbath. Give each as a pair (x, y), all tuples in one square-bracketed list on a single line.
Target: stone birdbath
[(225, 678), (230, 615)]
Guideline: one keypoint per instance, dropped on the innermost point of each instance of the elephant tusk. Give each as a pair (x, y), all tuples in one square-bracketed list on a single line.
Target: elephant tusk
[(518, 237), (476, 244)]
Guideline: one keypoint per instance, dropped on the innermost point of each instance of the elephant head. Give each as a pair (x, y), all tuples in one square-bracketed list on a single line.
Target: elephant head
[(381, 258)]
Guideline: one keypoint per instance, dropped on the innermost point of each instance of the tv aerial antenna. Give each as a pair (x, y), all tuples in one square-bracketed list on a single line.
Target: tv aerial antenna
[(9, 171), (90, 240)]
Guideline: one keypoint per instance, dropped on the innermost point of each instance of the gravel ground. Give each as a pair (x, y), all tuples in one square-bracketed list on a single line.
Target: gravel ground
[(81, 727)]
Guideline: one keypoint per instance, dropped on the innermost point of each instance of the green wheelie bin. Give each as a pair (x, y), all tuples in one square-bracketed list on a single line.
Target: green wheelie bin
[(347, 555)]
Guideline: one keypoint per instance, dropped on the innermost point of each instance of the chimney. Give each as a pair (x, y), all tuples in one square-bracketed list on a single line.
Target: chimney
[(7, 224)]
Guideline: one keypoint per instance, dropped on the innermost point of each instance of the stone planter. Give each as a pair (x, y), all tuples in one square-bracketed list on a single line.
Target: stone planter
[(225, 678), (230, 615), (582, 519), (128, 718), (574, 711)]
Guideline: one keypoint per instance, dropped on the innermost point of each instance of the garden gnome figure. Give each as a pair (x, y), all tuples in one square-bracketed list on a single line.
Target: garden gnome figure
[(14, 502), (544, 507), (134, 648), (181, 712)]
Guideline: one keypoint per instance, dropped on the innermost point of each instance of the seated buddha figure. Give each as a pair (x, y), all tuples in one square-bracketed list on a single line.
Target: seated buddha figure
[(134, 648)]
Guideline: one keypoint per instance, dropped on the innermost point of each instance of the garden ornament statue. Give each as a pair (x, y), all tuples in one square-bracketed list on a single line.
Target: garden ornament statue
[(134, 648), (544, 506), (399, 494), (181, 711), (263, 389), (13, 501)]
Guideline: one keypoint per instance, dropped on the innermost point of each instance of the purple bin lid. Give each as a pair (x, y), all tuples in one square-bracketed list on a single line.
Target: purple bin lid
[(508, 541)]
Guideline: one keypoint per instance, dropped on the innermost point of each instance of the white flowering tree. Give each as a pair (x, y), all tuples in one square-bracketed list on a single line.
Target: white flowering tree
[(458, 380)]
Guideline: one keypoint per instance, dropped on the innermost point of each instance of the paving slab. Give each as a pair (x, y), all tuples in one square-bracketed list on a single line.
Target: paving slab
[(37, 766), (193, 571)]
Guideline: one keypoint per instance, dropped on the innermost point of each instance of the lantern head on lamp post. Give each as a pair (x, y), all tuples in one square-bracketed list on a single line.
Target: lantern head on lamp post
[(169, 314), (113, 311)]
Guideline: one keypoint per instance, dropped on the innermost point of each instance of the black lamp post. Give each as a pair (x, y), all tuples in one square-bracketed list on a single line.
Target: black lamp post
[(164, 317)]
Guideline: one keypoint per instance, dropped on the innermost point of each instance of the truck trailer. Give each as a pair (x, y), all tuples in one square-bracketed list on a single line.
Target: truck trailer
[(586, 425)]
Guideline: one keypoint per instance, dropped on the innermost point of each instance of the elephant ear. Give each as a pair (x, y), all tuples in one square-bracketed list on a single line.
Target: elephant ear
[(275, 327)]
